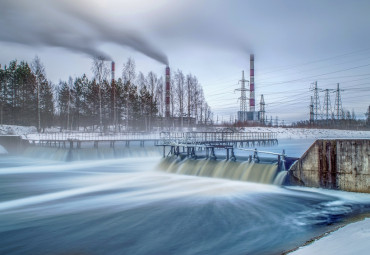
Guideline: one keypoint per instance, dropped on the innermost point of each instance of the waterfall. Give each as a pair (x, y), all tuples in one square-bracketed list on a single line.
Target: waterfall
[(241, 171), (66, 154)]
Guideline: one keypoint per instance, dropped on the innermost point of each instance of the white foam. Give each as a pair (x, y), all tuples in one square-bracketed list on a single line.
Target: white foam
[(3, 150)]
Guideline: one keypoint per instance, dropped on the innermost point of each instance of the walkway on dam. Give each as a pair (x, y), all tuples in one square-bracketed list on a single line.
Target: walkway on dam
[(75, 139)]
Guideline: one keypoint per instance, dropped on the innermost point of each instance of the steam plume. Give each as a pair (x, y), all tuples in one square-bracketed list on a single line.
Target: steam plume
[(66, 24)]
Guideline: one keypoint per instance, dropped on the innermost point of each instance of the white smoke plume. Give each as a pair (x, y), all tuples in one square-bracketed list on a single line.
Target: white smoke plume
[(68, 24)]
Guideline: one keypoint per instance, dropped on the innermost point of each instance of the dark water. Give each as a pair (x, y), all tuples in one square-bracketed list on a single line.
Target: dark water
[(127, 206)]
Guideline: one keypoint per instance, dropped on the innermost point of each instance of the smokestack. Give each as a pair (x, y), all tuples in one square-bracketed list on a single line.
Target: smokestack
[(113, 70), (251, 82), (167, 92)]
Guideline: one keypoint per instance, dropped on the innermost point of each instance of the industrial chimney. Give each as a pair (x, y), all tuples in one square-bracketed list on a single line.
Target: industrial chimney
[(251, 82), (113, 70), (167, 92)]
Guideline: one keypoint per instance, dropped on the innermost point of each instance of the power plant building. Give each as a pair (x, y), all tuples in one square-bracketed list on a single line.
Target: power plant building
[(252, 115)]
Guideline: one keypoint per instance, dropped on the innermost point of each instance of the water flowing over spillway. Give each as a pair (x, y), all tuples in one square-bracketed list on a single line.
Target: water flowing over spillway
[(65, 154), (127, 206), (240, 171)]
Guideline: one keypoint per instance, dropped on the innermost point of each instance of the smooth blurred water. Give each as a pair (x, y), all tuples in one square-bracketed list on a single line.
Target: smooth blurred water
[(128, 206)]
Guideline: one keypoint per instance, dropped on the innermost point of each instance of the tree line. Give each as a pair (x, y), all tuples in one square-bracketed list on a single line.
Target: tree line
[(134, 101)]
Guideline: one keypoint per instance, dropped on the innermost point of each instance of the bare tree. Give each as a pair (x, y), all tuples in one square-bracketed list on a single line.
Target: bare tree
[(160, 96), (129, 71), (101, 71), (189, 92), (39, 70), (179, 80)]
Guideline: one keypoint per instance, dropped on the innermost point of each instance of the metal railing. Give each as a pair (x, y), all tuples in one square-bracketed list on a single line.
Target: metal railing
[(199, 137), (165, 137), (131, 136)]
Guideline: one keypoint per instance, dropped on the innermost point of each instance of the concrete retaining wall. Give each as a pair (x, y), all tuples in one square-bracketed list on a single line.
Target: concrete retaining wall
[(334, 164), (13, 144)]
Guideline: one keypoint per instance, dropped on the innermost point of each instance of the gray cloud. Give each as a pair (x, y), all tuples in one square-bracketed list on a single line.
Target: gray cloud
[(69, 25)]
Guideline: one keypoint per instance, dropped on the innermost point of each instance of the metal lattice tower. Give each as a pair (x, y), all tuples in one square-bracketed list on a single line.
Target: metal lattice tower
[(338, 109), (316, 101), (312, 116), (327, 105), (262, 110), (243, 95)]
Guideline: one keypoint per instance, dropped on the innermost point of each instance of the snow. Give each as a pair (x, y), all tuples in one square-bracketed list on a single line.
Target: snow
[(306, 133), (282, 133), (351, 239), (16, 130)]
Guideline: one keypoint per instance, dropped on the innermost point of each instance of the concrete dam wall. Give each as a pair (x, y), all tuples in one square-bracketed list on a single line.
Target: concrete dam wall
[(13, 144), (341, 164)]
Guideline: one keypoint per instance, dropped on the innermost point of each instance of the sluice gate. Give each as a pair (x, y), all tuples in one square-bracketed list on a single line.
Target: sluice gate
[(183, 157)]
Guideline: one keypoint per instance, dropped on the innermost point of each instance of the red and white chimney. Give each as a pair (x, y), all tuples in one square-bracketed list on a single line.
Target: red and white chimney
[(113, 70), (251, 83)]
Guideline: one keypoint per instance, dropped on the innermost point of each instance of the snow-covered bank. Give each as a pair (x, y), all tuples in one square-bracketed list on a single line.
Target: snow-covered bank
[(282, 133), (305, 133), (351, 239), (16, 130)]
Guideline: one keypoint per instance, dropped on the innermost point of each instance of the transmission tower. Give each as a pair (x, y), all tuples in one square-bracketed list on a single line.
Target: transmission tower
[(316, 101), (312, 115), (262, 110), (338, 109), (243, 98), (327, 104)]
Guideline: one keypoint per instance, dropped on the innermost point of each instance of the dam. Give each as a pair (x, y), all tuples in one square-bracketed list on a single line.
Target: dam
[(340, 164)]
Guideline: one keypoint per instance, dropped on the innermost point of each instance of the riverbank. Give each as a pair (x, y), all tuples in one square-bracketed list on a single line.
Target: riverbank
[(349, 239), (282, 132)]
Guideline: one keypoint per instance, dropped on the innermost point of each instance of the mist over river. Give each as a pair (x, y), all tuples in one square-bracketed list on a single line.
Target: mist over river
[(132, 206)]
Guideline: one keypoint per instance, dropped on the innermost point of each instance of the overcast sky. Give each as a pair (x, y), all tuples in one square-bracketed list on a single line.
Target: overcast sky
[(295, 43)]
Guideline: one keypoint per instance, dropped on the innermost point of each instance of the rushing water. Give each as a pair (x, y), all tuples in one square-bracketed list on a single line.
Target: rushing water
[(129, 206), (240, 171)]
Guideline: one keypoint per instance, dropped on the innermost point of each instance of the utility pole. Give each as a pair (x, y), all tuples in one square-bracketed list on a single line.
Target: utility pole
[(316, 101), (262, 110), (243, 99), (327, 105), (312, 115), (338, 109)]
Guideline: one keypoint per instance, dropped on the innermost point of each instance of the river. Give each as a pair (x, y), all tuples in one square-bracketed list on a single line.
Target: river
[(132, 206)]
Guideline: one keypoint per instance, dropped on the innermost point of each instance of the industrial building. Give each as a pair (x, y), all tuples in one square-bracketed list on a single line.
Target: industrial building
[(252, 115)]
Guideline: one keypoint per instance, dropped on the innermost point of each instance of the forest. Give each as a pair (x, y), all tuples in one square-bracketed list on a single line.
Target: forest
[(133, 102)]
